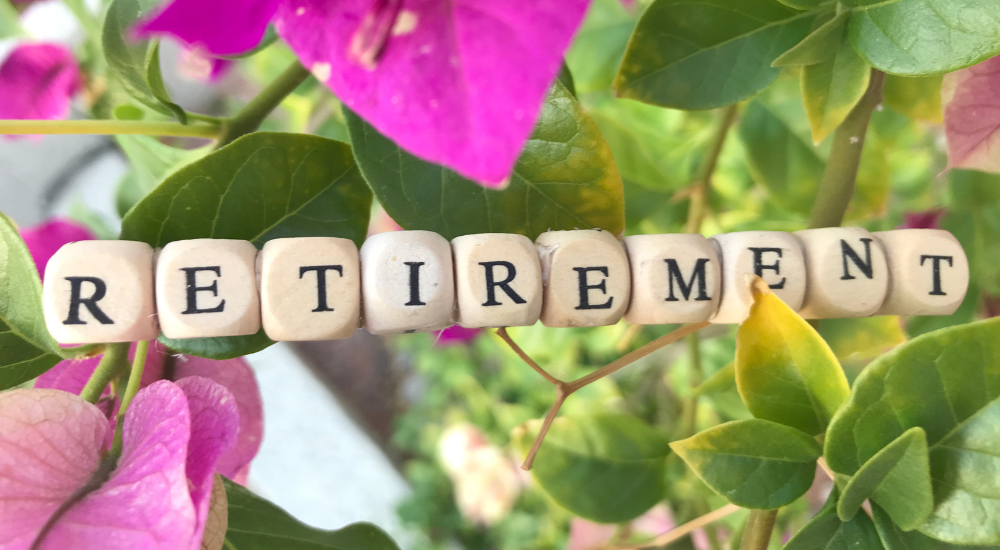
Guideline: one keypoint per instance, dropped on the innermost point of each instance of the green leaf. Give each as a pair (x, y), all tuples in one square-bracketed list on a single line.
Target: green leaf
[(917, 97), (831, 88), (150, 161), (566, 178), (136, 64), (862, 338), (819, 46), (753, 463), (924, 37), (825, 531), (948, 383), (898, 478), (894, 538), (721, 381), (802, 4), (9, 25), (784, 371), (256, 524), (599, 45), (262, 186), (779, 158), (28, 348), (605, 468), (700, 54)]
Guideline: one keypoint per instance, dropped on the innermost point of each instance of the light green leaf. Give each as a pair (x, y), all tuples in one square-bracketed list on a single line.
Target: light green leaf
[(136, 64), (784, 371), (262, 186), (862, 338), (9, 25), (917, 97), (753, 463), (256, 524), (825, 531), (566, 178), (820, 45), (831, 88), (894, 538), (721, 381), (599, 45), (605, 468), (150, 161), (924, 37), (28, 349), (700, 54), (948, 383), (898, 478)]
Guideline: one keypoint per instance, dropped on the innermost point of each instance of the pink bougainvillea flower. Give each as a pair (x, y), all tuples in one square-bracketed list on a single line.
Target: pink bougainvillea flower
[(587, 535), (195, 64), (55, 486), (971, 99), (37, 81), (455, 335), (457, 83), (44, 239), (928, 219)]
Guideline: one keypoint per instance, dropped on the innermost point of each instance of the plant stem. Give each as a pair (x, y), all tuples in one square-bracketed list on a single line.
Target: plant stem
[(837, 185), (250, 117), (134, 379), (757, 534), (16, 127), (112, 365), (699, 191)]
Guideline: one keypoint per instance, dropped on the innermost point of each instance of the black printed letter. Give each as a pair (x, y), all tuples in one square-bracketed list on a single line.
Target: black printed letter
[(76, 300), (491, 284), (585, 288), (674, 273), (936, 272), (193, 289), (414, 284), (759, 267), (321, 282), (847, 252)]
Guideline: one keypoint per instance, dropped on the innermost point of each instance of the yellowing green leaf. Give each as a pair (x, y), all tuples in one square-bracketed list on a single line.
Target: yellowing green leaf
[(918, 97), (831, 88), (820, 45), (862, 338), (753, 463), (898, 478), (784, 371)]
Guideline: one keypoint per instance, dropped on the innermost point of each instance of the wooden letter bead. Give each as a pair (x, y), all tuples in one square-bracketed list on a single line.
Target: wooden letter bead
[(100, 291), (407, 282), (775, 256), (586, 278), (310, 288), (498, 280), (928, 272), (846, 273), (207, 287), (675, 279)]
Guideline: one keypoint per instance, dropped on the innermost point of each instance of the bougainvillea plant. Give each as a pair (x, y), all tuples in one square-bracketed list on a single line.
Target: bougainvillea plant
[(523, 116)]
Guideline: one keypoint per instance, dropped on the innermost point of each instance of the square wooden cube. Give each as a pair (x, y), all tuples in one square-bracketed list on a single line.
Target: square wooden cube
[(207, 287), (100, 291), (310, 288), (498, 280), (676, 278), (846, 273), (775, 256), (928, 272), (586, 278), (407, 282)]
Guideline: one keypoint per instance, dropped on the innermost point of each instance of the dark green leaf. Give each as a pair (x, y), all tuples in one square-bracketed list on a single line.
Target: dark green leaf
[(566, 178), (924, 37), (948, 383), (150, 161), (256, 524), (802, 4), (599, 45), (566, 79), (825, 531), (898, 478), (700, 54), (894, 538), (28, 349), (135, 62), (820, 45), (221, 347), (753, 463), (605, 468)]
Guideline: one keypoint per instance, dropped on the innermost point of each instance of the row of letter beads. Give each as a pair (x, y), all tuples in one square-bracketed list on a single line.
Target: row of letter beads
[(406, 281)]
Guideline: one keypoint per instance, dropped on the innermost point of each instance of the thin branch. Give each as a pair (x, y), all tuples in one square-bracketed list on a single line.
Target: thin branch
[(108, 127), (134, 379), (699, 191), (682, 531), (561, 396), (502, 333)]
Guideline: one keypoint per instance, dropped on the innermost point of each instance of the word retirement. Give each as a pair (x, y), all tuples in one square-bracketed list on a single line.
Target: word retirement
[(320, 288)]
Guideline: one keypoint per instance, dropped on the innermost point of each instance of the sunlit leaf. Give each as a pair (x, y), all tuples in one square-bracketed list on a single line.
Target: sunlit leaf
[(917, 97), (832, 87)]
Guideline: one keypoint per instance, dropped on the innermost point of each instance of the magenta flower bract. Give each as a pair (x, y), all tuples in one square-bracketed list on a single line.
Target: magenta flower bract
[(456, 83), (156, 497), (455, 335), (45, 239), (37, 81), (928, 219)]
